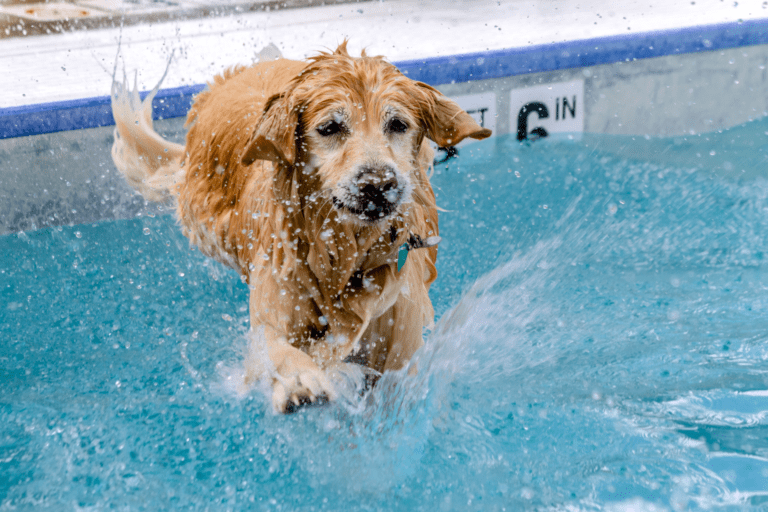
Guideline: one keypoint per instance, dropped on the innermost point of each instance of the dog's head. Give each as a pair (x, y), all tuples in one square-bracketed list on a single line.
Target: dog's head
[(356, 125)]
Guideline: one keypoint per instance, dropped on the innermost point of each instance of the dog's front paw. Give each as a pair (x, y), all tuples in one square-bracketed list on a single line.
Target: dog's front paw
[(299, 381)]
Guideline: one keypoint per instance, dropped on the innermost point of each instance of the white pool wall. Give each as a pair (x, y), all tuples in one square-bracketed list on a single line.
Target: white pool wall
[(78, 65)]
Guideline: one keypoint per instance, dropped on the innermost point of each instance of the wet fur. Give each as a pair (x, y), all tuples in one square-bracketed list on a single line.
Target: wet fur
[(258, 189)]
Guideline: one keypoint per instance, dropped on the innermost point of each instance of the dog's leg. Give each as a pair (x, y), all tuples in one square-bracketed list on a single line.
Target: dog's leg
[(406, 334), (297, 379), (409, 315)]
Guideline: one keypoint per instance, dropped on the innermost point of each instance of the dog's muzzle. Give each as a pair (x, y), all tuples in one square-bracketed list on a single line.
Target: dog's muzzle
[(374, 194)]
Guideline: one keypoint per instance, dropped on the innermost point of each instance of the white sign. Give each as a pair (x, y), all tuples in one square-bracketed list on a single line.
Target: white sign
[(538, 111)]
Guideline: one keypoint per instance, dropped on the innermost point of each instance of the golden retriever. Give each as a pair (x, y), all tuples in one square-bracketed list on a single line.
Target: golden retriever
[(311, 179)]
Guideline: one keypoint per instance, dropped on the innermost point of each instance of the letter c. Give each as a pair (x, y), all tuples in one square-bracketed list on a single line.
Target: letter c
[(522, 119)]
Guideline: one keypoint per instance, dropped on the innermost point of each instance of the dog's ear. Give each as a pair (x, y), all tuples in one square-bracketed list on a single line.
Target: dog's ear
[(445, 122), (274, 138)]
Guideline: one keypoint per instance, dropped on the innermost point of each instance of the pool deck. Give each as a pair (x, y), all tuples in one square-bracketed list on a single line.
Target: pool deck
[(79, 64)]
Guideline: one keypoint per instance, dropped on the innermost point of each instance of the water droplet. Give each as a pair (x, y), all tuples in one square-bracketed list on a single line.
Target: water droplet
[(78, 234)]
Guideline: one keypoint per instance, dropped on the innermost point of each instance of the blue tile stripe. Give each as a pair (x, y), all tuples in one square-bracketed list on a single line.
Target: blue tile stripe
[(174, 102), (87, 113)]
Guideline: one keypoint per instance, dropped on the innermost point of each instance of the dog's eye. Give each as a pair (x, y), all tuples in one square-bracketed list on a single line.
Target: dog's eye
[(330, 128), (397, 126)]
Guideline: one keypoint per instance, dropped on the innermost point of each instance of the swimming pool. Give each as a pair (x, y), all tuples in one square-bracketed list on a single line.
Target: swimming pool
[(601, 344), (601, 337)]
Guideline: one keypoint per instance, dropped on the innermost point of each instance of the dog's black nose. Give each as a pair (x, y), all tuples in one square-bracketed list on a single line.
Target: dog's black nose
[(378, 191)]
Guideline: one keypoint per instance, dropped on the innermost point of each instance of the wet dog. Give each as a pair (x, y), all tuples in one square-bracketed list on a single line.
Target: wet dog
[(311, 179)]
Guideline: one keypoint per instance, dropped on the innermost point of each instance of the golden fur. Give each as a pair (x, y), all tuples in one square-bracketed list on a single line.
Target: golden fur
[(260, 187)]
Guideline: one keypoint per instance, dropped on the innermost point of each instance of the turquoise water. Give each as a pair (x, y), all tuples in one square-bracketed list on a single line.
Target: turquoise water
[(601, 345)]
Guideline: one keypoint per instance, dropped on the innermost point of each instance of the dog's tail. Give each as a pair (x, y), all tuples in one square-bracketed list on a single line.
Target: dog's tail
[(151, 164)]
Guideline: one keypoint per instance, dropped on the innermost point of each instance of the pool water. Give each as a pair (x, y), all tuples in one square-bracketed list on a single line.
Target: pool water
[(601, 345)]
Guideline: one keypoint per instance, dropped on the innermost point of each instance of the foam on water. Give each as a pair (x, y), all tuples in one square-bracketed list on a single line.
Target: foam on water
[(601, 344)]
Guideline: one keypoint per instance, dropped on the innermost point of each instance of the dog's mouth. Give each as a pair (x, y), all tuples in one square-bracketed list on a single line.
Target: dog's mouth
[(371, 205)]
